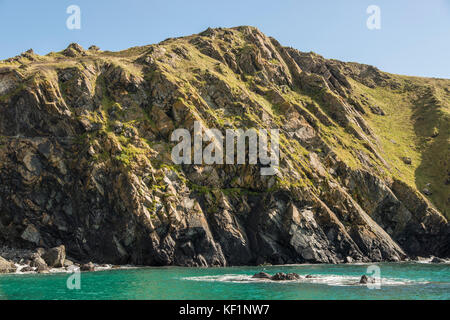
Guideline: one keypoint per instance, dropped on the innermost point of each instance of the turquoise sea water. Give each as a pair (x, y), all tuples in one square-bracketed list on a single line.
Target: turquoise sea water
[(398, 281)]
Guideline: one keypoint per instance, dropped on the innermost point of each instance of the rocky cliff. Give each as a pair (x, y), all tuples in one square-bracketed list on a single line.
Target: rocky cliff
[(85, 155)]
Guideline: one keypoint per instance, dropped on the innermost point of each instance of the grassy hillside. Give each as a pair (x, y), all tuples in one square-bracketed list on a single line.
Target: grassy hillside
[(416, 125)]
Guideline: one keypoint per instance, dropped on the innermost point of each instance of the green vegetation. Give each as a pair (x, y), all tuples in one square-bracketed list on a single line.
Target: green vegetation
[(416, 125), (199, 81)]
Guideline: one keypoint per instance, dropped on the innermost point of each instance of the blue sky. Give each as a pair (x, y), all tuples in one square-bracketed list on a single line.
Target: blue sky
[(414, 38)]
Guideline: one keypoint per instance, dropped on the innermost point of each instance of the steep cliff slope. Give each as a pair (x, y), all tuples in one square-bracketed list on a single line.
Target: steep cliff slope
[(85, 155)]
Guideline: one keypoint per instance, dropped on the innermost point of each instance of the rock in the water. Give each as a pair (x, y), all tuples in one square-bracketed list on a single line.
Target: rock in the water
[(55, 257), (437, 260), (365, 279), (280, 276), (261, 275), (26, 269), (39, 264), (309, 276), (6, 266), (87, 267), (293, 276)]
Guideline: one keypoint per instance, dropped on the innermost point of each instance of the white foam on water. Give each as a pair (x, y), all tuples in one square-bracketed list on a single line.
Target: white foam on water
[(20, 267), (424, 260), (72, 268), (331, 280), (428, 261), (102, 267), (236, 278), (344, 280)]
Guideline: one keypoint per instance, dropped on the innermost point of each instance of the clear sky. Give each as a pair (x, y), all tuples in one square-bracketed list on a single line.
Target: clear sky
[(414, 38)]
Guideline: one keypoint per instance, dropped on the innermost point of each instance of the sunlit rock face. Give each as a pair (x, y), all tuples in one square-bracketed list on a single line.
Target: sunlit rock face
[(85, 155)]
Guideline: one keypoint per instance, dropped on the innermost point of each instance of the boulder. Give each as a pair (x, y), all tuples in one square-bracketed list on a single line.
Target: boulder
[(435, 132), (40, 251), (406, 160), (55, 257), (31, 234), (68, 263), (74, 50), (438, 260), (87, 267), (377, 110), (261, 275), (27, 269), (39, 264), (365, 279), (7, 266), (94, 48), (280, 276)]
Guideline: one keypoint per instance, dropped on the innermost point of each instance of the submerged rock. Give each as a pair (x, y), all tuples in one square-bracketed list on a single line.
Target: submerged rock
[(261, 275)]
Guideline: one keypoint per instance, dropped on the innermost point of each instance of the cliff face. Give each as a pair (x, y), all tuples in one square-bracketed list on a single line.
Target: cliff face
[(85, 155)]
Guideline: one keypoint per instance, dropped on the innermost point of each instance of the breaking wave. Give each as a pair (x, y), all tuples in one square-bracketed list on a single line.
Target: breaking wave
[(332, 280)]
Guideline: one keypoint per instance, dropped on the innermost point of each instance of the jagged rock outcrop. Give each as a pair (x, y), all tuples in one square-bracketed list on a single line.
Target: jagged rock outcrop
[(6, 266), (55, 257), (85, 157)]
